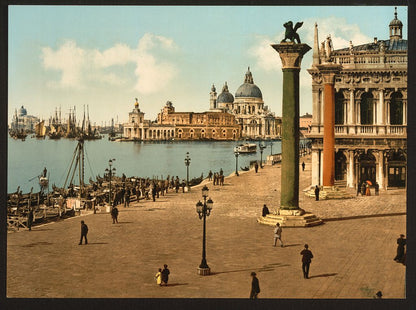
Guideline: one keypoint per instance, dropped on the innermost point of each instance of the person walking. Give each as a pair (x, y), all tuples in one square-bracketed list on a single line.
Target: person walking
[(84, 232), (255, 286), (401, 242), (158, 277), (306, 261), (114, 214), (265, 211), (316, 192), (210, 175), (303, 166), (30, 219), (165, 275), (278, 235), (367, 190), (363, 187), (376, 188), (127, 198), (256, 167)]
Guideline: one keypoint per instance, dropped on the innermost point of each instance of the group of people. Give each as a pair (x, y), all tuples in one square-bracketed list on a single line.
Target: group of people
[(217, 178), (162, 276), (364, 189), (306, 261)]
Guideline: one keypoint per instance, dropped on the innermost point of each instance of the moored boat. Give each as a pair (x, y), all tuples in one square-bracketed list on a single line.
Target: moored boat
[(247, 148)]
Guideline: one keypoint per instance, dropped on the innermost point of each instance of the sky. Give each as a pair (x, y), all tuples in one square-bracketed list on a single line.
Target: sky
[(103, 57)]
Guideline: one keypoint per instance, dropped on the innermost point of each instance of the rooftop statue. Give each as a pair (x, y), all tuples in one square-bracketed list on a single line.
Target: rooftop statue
[(291, 32)]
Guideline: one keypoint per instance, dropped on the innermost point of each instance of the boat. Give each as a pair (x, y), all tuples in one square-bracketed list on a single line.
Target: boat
[(247, 168), (40, 130), (247, 148)]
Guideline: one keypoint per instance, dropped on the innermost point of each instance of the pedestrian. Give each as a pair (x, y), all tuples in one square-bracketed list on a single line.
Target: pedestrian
[(306, 261), (114, 214), (278, 234), (303, 166), (221, 172), (378, 295), (376, 188), (127, 198), (265, 211), (363, 188), (154, 192), (316, 192), (158, 277), (210, 175), (255, 286), (256, 167), (222, 180), (358, 189), (367, 190), (401, 242), (183, 186), (84, 232), (165, 275), (30, 219)]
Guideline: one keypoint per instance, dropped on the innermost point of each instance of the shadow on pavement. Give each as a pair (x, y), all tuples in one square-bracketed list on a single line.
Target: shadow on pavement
[(323, 275), (36, 243), (124, 222), (362, 216), (289, 245), (268, 267), (89, 243), (177, 284)]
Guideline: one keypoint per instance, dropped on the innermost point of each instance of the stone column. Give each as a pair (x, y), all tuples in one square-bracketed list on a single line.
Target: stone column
[(351, 113), (291, 55), (380, 169), (315, 167), (350, 169), (328, 72), (380, 111)]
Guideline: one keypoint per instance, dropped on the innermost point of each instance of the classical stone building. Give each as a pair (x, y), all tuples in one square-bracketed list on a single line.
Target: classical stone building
[(370, 110), (212, 125), (255, 118), (22, 121)]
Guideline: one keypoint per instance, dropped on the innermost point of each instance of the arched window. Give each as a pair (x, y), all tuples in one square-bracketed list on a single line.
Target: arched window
[(366, 109), (339, 109), (396, 109)]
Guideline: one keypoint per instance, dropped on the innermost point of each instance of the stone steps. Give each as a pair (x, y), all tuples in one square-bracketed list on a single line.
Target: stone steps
[(304, 220)]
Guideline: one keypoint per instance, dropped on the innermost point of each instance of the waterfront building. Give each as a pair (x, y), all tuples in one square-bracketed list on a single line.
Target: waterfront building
[(22, 121), (305, 123), (370, 110), (211, 125), (255, 119)]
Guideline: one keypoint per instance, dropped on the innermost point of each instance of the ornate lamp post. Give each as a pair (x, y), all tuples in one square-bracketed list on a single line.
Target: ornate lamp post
[(236, 153), (262, 147), (204, 210), (187, 163), (110, 171)]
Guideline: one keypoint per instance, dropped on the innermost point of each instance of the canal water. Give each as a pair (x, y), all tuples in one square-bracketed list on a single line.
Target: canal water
[(26, 159)]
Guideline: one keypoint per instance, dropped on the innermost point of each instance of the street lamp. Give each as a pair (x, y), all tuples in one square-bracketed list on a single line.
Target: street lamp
[(110, 170), (204, 210), (236, 153), (262, 147), (271, 148), (187, 163)]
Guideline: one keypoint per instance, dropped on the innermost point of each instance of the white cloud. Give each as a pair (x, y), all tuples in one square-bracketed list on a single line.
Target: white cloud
[(91, 67)]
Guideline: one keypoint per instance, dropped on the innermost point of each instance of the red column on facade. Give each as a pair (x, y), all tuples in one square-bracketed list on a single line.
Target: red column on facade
[(328, 72)]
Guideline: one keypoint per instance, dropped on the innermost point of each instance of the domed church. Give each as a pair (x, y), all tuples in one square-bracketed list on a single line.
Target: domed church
[(255, 118)]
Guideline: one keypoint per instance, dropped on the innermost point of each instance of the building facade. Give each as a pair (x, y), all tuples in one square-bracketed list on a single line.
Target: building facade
[(170, 125), (22, 121), (370, 110), (255, 118)]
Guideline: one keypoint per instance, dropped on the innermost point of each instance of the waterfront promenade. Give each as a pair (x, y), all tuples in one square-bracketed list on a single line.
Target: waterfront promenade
[(353, 250)]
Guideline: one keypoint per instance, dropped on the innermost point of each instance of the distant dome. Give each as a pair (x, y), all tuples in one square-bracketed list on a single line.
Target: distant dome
[(22, 111), (225, 96), (248, 89)]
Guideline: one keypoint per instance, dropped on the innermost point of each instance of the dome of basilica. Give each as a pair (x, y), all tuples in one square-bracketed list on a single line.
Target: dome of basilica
[(225, 96), (249, 89)]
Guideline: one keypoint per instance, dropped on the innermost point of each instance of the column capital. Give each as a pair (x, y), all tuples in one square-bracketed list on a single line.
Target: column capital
[(291, 54), (329, 71)]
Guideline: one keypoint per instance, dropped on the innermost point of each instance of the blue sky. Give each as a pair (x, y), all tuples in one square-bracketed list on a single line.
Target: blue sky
[(105, 56)]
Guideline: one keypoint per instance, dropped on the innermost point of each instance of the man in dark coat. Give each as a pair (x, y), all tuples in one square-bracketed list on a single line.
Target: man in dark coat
[(306, 261), (303, 166), (401, 242), (165, 275), (316, 192), (256, 167), (84, 232), (114, 214), (255, 286), (30, 219), (376, 188), (265, 211)]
